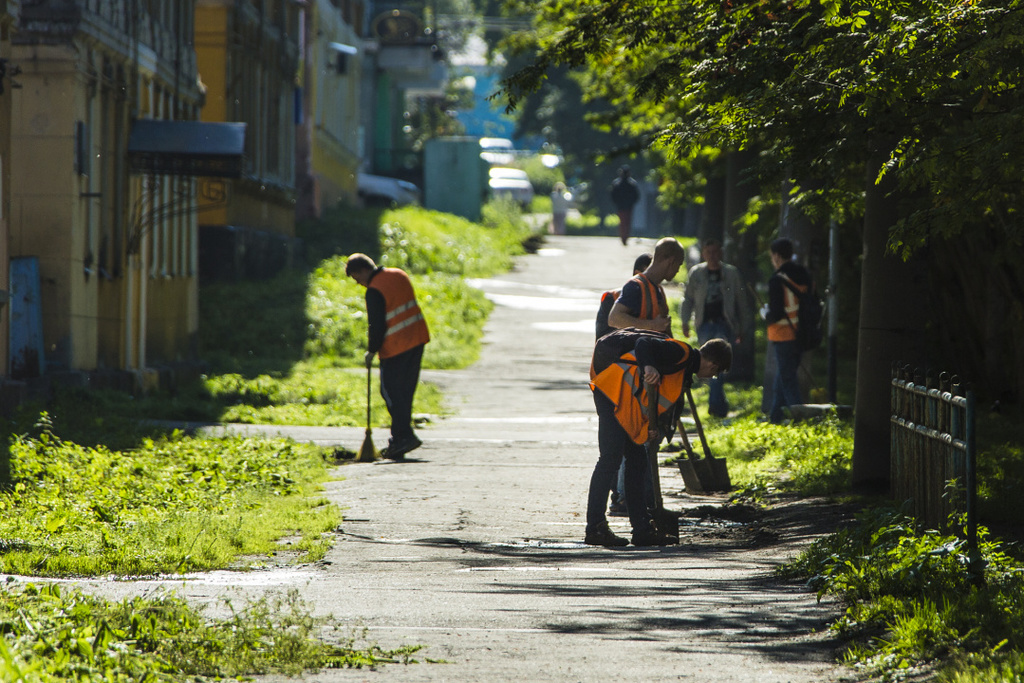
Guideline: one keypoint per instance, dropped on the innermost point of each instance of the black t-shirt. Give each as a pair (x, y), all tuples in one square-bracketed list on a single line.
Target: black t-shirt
[(714, 309)]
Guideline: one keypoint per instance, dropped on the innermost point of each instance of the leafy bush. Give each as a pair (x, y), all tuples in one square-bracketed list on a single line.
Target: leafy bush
[(915, 595)]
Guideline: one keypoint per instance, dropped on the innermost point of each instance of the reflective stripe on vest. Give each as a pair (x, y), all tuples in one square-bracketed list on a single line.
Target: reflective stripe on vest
[(622, 383), (406, 327), (782, 330)]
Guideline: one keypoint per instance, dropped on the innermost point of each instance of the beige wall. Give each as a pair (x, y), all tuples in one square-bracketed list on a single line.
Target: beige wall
[(43, 190), (97, 311)]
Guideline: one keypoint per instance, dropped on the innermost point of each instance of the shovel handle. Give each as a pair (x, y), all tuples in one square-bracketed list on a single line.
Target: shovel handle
[(696, 419), (686, 440), (653, 444)]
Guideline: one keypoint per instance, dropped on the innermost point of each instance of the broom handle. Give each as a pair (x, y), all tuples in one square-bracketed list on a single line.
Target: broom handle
[(368, 380)]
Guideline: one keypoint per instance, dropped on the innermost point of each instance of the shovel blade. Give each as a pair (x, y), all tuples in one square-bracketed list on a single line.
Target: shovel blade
[(718, 475), (667, 523), (691, 478)]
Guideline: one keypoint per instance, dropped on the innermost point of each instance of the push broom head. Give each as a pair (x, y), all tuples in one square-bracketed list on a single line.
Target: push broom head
[(367, 453)]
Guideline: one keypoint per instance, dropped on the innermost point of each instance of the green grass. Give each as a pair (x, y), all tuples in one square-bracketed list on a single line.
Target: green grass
[(51, 635), (176, 504)]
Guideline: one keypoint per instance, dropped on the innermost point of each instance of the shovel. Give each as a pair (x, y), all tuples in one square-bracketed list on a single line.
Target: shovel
[(367, 453), (701, 475), (666, 522)]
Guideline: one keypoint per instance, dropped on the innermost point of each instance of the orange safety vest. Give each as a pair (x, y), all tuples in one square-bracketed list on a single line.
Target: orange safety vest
[(782, 330), (406, 327), (652, 299), (622, 382)]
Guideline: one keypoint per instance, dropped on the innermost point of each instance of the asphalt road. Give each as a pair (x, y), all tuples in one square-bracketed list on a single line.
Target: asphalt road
[(473, 547)]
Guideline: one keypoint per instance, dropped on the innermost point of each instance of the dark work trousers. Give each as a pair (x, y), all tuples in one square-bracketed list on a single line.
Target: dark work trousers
[(399, 376), (613, 445)]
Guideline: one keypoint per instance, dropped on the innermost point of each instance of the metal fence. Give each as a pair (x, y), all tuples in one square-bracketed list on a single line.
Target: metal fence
[(933, 453)]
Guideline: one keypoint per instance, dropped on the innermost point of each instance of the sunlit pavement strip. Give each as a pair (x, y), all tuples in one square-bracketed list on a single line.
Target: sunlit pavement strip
[(581, 326), (541, 303), (560, 568), (555, 290)]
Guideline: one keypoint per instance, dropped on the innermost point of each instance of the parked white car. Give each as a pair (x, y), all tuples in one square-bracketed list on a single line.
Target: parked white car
[(511, 182), (378, 190), (497, 150)]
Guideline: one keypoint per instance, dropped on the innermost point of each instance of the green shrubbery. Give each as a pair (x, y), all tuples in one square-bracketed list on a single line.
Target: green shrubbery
[(915, 596)]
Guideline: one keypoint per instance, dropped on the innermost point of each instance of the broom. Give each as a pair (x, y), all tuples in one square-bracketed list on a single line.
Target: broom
[(367, 453)]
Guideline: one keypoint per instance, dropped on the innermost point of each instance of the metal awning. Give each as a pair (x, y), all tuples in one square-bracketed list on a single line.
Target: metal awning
[(194, 148)]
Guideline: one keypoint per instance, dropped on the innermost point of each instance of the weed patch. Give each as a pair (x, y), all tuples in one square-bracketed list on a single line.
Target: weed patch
[(175, 504), (56, 635), (915, 596)]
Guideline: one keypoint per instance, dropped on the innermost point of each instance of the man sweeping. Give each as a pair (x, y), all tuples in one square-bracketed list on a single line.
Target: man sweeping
[(398, 333)]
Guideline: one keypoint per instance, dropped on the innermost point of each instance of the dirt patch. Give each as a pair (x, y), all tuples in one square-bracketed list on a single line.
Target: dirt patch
[(784, 520)]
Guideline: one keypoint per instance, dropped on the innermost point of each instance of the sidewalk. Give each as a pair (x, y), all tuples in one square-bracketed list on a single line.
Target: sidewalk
[(473, 547)]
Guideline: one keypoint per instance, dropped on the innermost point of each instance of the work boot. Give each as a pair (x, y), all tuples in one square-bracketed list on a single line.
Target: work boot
[(604, 536), (650, 536), (396, 450)]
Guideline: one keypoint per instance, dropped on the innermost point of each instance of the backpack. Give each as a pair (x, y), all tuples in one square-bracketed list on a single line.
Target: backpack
[(611, 346), (810, 312)]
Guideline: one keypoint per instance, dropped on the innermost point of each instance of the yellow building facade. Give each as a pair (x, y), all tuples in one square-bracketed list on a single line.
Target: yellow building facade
[(248, 52), (330, 133), (116, 250)]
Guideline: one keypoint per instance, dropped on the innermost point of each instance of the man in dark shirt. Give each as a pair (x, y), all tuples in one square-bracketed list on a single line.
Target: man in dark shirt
[(608, 298), (782, 316), (625, 193), (623, 427), (398, 332)]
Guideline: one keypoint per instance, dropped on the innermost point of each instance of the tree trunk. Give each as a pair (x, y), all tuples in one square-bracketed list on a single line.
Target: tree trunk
[(893, 314), (741, 251)]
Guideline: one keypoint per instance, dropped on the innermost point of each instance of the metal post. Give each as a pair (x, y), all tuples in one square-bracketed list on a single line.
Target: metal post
[(833, 310), (972, 520)]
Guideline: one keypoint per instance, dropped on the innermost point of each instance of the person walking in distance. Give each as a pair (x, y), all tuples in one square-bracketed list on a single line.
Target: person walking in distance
[(626, 364), (642, 303), (782, 315), (398, 333), (713, 297), (625, 193), (560, 198)]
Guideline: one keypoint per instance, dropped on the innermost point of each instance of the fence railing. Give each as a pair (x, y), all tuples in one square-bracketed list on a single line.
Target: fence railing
[(933, 453)]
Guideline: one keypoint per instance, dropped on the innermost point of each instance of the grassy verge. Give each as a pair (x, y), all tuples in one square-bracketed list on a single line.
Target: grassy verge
[(171, 505), (915, 602), (53, 635)]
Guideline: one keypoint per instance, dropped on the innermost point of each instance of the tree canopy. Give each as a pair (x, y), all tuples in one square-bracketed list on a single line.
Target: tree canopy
[(817, 85)]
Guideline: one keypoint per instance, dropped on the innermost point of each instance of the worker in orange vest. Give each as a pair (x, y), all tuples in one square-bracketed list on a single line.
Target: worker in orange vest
[(398, 333), (626, 363)]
